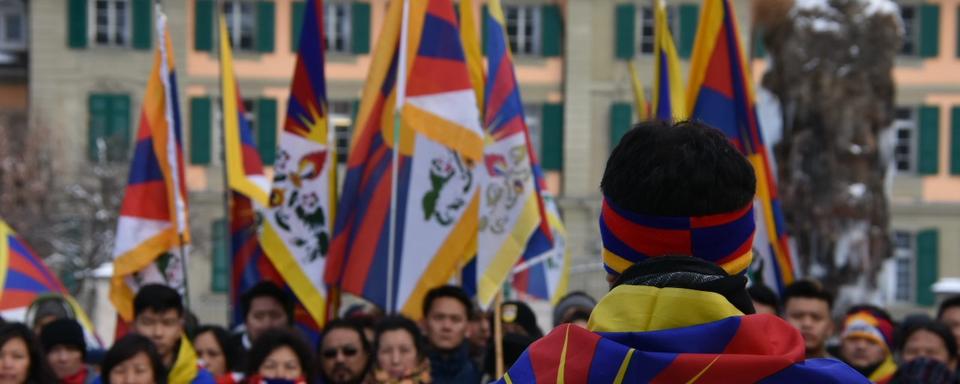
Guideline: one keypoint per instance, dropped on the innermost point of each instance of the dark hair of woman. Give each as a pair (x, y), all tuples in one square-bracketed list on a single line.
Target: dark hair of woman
[(274, 339), (125, 349), (38, 372), (393, 323), (223, 340)]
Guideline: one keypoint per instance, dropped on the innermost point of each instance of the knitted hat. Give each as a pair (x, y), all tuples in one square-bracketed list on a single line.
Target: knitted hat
[(870, 324), (628, 237), (63, 332), (572, 300)]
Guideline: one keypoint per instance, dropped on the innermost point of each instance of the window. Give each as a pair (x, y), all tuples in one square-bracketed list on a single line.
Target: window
[(110, 24), (910, 17), (903, 251), (904, 145), (647, 27), (533, 116), (13, 25), (241, 19), (337, 26), (341, 118), (108, 127), (523, 28)]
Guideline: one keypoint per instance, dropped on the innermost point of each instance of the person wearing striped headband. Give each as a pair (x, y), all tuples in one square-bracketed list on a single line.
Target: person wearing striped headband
[(866, 342), (677, 229)]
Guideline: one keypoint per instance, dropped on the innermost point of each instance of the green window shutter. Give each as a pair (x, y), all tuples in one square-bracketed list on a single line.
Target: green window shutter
[(142, 24), (928, 145), (689, 18), (296, 24), (621, 120), (98, 107), (77, 24), (360, 28), (551, 138), (759, 48), (929, 30), (265, 26), (626, 31), (928, 259), (119, 128), (203, 26), (200, 130), (551, 35), (955, 140), (220, 269), (267, 129)]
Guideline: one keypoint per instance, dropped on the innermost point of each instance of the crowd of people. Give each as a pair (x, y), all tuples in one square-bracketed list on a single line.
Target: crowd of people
[(677, 229)]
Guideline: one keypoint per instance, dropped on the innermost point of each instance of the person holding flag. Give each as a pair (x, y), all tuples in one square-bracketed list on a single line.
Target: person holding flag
[(152, 233), (408, 215)]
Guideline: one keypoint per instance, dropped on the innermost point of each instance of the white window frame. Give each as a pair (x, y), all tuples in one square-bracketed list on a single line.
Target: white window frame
[(904, 257), (525, 45), (911, 29), (338, 24), (112, 29), (234, 22), (533, 117), (18, 9), (645, 19), (249, 107), (909, 126)]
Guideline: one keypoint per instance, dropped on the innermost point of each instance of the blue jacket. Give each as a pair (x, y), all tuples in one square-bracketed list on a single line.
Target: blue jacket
[(454, 368)]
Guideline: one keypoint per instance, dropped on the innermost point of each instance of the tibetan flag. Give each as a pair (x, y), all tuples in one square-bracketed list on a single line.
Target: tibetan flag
[(668, 97), (721, 95), (299, 222), (24, 278), (511, 205), (644, 334), (152, 228), (440, 146), (544, 270), (248, 195)]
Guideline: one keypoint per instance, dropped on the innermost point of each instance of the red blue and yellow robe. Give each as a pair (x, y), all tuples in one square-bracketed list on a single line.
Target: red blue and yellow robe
[(642, 334)]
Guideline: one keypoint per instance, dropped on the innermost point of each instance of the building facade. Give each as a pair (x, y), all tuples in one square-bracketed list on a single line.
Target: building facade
[(89, 62)]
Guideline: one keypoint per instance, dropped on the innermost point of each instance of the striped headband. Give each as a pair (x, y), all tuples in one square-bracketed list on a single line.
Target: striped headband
[(725, 239), (870, 326)]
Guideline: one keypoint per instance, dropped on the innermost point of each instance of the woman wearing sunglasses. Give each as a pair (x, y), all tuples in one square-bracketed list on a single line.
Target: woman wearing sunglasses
[(399, 352), (279, 356)]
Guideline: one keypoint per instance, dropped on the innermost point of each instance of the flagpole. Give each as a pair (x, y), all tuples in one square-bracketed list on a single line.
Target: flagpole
[(176, 166), (498, 332), (226, 182), (401, 94)]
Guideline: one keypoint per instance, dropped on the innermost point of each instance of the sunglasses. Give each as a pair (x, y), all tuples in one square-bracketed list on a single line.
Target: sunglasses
[(331, 353)]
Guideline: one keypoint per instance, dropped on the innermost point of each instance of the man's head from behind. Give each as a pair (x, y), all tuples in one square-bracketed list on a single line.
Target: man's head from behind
[(265, 306), (685, 179), (158, 315), (446, 313), (807, 306), (867, 336), (949, 314), (344, 352)]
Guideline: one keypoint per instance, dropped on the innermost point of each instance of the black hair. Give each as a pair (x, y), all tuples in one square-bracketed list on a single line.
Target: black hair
[(682, 169), (223, 340), (397, 322), (157, 298), (39, 371), (267, 289), (577, 315), (347, 324), (764, 295), (126, 348), (273, 339), (450, 291), (807, 289), (953, 301), (934, 327)]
